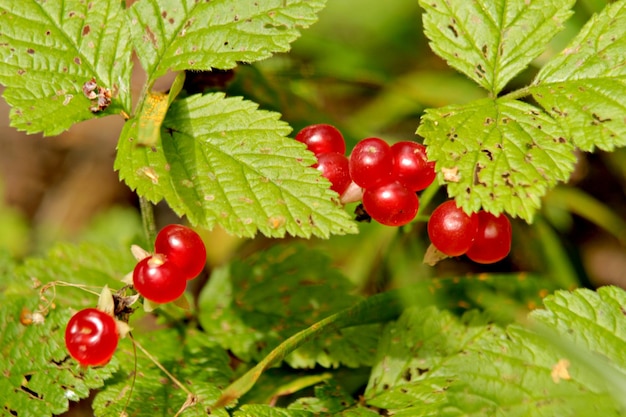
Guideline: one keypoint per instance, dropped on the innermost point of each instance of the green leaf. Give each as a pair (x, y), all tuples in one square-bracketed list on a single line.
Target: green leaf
[(173, 35), (270, 296), (49, 49), (38, 377), (411, 354), (492, 41), (430, 362), (200, 365), (221, 161), (584, 86), (500, 155), (90, 266), (593, 321), (259, 410)]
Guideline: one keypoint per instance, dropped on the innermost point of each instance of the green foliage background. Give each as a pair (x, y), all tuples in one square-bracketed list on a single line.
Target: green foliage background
[(335, 318)]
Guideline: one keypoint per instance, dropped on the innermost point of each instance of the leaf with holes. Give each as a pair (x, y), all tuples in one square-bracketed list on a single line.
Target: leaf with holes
[(584, 86), (49, 50), (38, 377), (221, 161), (492, 41), (500, 155), (173, 35), (270, 296)]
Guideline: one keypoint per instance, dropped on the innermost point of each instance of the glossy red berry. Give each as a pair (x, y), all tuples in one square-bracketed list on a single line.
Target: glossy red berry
[(451, 230), (322, 138), (411, 166), (183, 247), (391, 204), (371, 163), (334, 166), (493, 239), (157, 279), (91, 337)]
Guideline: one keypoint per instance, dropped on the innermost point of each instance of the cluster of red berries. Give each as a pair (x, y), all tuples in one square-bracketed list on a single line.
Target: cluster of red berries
[(482, 237), (179, 255), (388, 176), (92, 335)]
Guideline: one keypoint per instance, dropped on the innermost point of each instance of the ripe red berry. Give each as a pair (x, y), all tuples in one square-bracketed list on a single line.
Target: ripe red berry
[(322, 138), (183, 247), (451, 230), (411, 165), (158, 279), (493, 238), (371, 163), (91, 337), (391, 204), (334, 166)]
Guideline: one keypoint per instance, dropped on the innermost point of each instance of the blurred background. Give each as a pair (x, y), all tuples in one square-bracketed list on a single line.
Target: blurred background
[(367, 68)]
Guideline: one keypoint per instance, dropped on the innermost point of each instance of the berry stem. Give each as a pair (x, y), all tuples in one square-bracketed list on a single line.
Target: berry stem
[(162, 368), (147, 217)]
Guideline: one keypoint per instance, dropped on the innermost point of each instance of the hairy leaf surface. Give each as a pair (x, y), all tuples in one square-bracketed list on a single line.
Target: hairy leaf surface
[(501, 155), (221, 161), (49, 49), (430, 361), (584, 86), (172, 35), (492, 41)]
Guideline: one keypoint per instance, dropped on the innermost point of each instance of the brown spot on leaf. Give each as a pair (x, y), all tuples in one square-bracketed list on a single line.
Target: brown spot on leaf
[(86, 30)]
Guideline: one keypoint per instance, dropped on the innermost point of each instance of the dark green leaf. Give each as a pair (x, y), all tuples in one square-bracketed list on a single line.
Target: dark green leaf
[(270, 296), (200, 365), (38, 377)]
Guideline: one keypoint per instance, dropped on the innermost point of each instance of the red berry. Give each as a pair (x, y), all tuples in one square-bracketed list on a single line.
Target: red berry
[(391, 204), (183, 247), (371, 163), (158, 279), (411, 165), (322, 138), (334, 166), (451, 230), (493, 239), (91, 337)]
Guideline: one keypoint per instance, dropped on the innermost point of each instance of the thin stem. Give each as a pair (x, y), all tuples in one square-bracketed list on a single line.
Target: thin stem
[(162, 368), (147, 217)]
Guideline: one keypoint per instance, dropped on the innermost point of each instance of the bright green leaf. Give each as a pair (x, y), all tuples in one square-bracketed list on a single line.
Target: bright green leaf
[(221, 161), (499, 155), (173, 35), (584, 86), (49, 49), (270, 296), (431, 363), (492, 41), (594, 321)]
